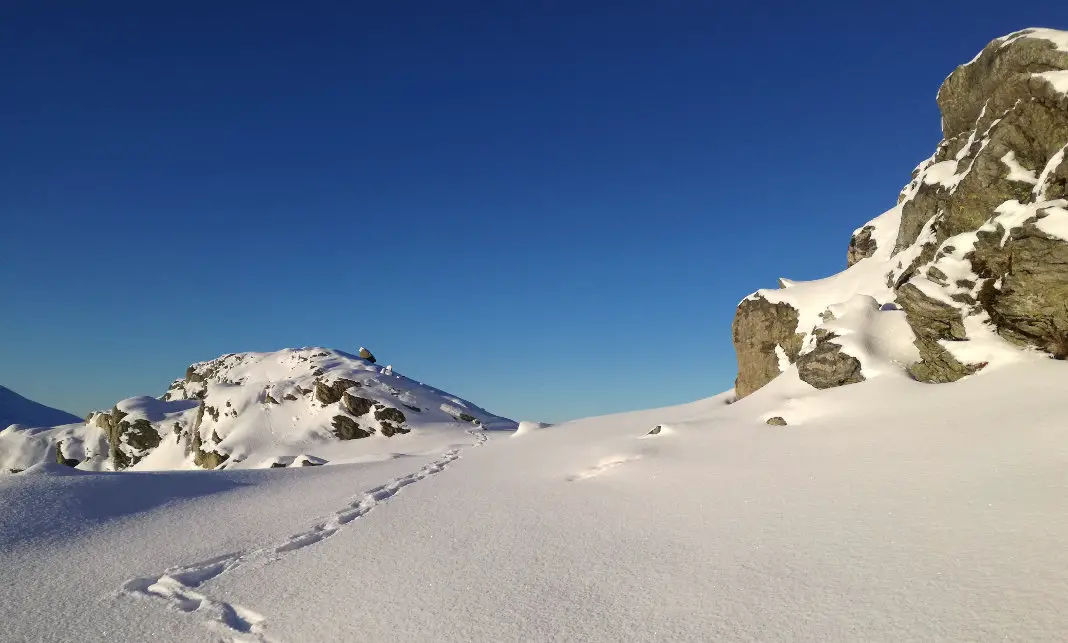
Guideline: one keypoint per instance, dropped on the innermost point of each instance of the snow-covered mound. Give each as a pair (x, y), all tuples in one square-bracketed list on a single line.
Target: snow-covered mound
[(970, 266), (15, 409), (255, 410)]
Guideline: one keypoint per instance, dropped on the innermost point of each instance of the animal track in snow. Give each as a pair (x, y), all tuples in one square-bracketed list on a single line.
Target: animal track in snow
[(177, 586), (604, 465)]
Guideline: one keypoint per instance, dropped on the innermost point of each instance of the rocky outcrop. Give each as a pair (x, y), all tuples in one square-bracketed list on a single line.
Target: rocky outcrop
[(933, 322), (356, 405), (1030, 304), (979, 239), (331, 393), (367, 355), (346, 428), (392, 420), (760, 329), (861, 245), (827, 365), (132, 441)]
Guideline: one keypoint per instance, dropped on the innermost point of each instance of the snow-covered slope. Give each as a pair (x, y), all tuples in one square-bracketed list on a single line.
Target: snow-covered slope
[(15, 409), (889, 510), (254, 410)]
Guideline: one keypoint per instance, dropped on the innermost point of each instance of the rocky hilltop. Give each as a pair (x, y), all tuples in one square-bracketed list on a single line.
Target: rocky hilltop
[(252, 410), (969, 267)]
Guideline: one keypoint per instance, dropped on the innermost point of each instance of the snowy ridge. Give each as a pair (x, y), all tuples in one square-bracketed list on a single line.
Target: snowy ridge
[(258, 410)]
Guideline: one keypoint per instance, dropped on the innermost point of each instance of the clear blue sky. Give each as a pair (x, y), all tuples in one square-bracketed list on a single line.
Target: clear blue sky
[(551, 208)]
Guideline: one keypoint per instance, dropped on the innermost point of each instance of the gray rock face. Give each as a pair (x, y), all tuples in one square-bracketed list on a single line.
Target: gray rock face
[(345, 428), (1000, 76), (391, 420), (332, 393), (991, 107), (759, 326), (356, 405), (1031, 305), (827, 366), (861, 245)]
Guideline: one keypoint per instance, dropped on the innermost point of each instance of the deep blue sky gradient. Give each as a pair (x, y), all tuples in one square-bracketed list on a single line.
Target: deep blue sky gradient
[(550, 208)]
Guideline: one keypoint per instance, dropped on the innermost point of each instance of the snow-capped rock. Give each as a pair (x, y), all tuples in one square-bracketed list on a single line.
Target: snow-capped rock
[(975, 253), (253, 410)]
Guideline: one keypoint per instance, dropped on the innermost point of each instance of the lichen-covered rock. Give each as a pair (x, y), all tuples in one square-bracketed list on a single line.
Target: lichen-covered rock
[(861, 245), (391, 420), (385, 413), (1030, 305), (207, 458), (827, 366), (131, 441), (933, 321), (63, 459), (356, 405), (345, 428), (999, 77), (332, 393), (390, 429), (759, 328), (776, 421)]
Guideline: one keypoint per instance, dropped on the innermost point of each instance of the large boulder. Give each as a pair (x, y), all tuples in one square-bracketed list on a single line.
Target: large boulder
[(827, 366), (861, 245), (761, 329)]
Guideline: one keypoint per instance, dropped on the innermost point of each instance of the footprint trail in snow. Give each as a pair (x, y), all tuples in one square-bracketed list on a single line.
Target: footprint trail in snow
[(179, 586)]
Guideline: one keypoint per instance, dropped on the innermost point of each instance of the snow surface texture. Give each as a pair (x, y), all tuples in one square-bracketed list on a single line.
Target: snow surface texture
[(262, 410), (15, 409), (864, 519)]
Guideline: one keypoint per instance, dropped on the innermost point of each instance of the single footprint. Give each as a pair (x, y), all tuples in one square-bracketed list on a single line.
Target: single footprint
[(604, 465)]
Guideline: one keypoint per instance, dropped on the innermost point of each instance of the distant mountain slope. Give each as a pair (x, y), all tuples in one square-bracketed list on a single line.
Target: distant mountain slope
[(298, 407), (15, 409)]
